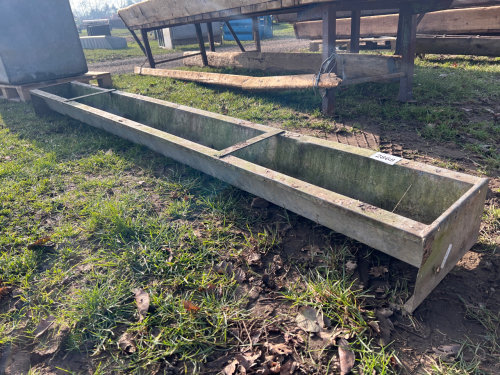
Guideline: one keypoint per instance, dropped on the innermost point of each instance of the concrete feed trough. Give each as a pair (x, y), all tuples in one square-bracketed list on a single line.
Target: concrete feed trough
[(426, 216)]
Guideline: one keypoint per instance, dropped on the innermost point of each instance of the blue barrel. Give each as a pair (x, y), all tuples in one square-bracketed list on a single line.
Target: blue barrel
[(243, 29)]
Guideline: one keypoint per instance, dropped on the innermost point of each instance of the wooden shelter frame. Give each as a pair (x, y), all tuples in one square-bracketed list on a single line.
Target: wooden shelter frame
[(410, 14)]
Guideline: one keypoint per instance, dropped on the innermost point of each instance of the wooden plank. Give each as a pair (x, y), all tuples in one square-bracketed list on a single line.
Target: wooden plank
[(355, 31), (160, 10), (355, 65), (255, 32), (385, 77), (459, 45), (408, 44), (457, 21), (247, 83)]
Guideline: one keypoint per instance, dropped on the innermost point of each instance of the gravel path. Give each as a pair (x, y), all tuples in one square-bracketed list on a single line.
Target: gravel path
[(127, 65)]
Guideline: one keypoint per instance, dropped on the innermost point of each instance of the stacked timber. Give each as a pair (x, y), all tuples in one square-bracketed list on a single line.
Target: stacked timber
[(355, 67), (472, 21)]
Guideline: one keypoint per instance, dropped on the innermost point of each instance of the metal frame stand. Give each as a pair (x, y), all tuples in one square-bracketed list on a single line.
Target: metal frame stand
[(211, 40), (201, 44), (329, 38), (235, 37)]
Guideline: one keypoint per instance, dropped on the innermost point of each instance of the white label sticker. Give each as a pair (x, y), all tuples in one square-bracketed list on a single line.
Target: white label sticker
[(446, 256), (386, 158)]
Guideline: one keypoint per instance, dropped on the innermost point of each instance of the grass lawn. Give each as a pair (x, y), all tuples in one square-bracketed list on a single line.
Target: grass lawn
[(88, 219)]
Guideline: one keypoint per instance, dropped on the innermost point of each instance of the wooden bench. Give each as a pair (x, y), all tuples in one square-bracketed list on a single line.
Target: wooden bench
[(21, 93)]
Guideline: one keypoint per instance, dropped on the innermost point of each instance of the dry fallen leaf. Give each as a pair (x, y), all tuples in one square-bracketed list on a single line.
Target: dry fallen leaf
[(254, 259), (230, 368), (309, 319), (379, 271), (4, 291), (142, 300), (447, 350), (289, 367), (43, 326), (280, 349), (329, 337), (259, 203), (247, 360), (277, 262), (39, 242), (350, 266), (263, 370), (275, 368), (126, 343), (109, 152), (224, 268), (239, 275), (190, 306), (346, 356)]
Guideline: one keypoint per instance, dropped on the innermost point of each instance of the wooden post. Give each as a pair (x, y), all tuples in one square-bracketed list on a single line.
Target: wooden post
[(355, 30), (408, 49), (235, 37), (329, 36), (399, 36), (256, 34), (211, 40), (201, 43), (149, 55)]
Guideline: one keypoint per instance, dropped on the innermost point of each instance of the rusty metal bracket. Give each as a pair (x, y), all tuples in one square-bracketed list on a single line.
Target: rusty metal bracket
[(85, 96), (251, 141)]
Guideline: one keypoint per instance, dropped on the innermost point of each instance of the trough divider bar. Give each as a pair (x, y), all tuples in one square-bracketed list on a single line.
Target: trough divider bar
[(249, 142), (85, 96)]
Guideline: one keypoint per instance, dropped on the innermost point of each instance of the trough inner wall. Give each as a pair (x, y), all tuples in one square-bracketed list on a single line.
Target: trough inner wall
[(355, 176), (358, 177), (200, 128)]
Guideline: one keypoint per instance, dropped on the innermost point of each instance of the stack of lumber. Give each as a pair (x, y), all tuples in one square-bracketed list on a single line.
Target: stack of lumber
[(472, 21)]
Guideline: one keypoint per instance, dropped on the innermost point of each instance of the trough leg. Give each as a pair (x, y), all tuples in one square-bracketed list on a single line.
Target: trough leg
[(355, 30), (329, 36), (201, 43), (449, 242), (211, 40), (408, 45), (256, 34), (41, 107), (147, 47)]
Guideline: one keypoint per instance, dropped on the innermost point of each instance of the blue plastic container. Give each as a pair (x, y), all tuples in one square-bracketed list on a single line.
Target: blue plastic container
[(243, 29)]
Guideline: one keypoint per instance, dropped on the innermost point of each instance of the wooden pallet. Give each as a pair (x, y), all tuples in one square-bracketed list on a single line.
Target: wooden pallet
[(21, 93)]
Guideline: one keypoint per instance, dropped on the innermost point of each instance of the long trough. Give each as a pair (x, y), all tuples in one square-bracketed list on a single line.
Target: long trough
[(426, 216)]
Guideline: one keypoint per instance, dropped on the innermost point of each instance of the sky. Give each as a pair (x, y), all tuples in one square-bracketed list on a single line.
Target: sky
[(85, 6)]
